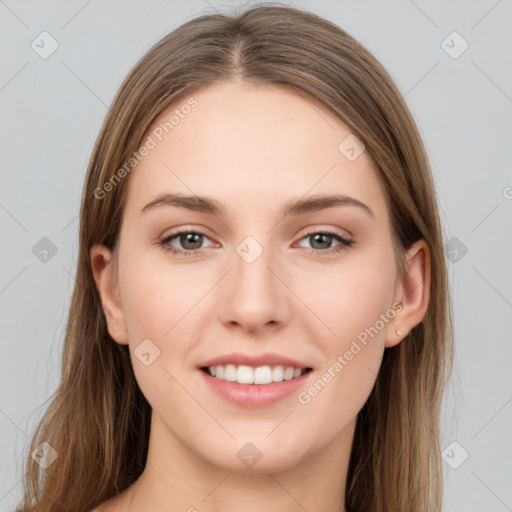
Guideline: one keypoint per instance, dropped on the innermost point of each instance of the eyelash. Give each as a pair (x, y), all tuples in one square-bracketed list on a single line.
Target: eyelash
[(344, 242)]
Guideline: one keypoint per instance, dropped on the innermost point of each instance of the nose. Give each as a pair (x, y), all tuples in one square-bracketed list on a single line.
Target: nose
[(253, 295)]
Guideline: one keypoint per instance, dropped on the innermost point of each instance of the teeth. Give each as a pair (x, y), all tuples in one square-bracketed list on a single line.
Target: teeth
[(245, 375), (263, 375), (230, 372), (277, 373), (248, 375), (288, 373)]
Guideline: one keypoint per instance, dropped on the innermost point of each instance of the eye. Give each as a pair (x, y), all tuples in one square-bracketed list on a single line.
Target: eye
[(191, 241), (323, 238)]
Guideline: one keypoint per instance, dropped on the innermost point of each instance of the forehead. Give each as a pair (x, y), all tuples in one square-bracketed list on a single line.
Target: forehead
[(251, 146)]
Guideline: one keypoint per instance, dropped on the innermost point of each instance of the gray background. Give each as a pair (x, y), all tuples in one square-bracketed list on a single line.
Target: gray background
[(52, 110)]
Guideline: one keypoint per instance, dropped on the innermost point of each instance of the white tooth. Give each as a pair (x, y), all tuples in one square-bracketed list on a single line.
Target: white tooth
[(288, 373), (262, 375), (277, 373), (230, 372), (248, 375), (245, 375)]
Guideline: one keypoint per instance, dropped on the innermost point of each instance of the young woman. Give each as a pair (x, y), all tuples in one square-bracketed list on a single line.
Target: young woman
[(261, 319)]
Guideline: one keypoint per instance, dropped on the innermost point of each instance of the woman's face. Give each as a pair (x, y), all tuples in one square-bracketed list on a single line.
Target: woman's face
[(256, 282)]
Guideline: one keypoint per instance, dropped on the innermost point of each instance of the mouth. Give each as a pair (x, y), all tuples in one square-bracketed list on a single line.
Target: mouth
[(255, 386), (259, 375)]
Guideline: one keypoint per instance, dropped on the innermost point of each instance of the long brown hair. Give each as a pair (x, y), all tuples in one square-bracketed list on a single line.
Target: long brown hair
[(98, 420)]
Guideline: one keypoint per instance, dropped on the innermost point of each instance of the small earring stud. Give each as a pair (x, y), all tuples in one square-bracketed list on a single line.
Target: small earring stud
[(399, 332)]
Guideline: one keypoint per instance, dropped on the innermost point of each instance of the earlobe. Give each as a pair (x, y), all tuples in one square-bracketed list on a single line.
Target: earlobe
[(413, 292), (102, 266)]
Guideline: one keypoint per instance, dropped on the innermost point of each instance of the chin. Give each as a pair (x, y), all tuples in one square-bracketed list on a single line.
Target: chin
[(254, 455)]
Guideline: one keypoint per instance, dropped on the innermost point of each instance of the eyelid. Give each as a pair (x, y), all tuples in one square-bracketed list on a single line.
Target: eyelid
[(334, 231), (185, 229)]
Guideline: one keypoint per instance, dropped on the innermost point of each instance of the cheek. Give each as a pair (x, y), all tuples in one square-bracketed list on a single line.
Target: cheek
[(349, 297), (151, 302), (158, 302), (353, 306), (155, 293)]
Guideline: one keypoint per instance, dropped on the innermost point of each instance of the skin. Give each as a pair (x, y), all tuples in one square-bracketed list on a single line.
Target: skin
[(253, 149)]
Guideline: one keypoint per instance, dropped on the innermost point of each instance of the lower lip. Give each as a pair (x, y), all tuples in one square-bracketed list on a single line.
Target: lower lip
[(255, 395)]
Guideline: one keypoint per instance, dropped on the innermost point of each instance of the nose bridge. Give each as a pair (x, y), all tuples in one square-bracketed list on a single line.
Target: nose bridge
[(252, 276), (253, 295)]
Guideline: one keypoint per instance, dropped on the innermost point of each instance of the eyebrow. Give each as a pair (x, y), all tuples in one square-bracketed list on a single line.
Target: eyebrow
[(211, 206)]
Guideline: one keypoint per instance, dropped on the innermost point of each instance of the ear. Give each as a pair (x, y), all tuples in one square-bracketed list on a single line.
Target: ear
[(104, 273), (413, 292)]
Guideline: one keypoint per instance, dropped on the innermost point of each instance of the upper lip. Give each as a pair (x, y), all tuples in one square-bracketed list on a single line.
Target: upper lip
[(254, 360)]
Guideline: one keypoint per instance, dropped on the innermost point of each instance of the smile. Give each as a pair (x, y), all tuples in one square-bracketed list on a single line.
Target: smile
[(256, 389), (244, 374)]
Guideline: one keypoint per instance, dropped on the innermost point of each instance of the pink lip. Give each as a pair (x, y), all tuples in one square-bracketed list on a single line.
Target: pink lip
[(255, 395), (254, 360)]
